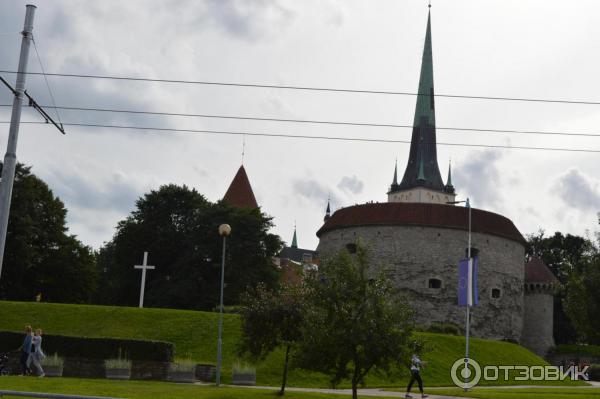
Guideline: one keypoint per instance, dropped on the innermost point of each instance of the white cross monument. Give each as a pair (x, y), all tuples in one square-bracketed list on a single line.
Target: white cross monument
[(144, 267)]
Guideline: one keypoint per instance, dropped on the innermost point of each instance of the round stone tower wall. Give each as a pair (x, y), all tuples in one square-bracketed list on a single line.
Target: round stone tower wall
[(538, 321), (422, 261)]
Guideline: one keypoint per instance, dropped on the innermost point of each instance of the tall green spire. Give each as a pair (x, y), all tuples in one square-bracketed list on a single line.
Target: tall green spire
[(294, 239), (422, 169), (425, 101), (449, 181), (395, 182)]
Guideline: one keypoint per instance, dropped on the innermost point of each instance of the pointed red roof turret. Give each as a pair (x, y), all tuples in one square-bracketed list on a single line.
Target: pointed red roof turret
[(536, 271), (240, 191)]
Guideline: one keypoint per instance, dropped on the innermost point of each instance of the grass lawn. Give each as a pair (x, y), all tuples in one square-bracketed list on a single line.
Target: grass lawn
[(143, 389), (195, 334), (522, 393)]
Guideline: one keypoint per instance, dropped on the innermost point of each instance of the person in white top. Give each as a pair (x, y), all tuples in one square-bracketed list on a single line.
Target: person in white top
[(37, 354), (415, 375)]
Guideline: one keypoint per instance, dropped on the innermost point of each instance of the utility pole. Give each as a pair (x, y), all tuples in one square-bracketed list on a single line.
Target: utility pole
[(10, 159)]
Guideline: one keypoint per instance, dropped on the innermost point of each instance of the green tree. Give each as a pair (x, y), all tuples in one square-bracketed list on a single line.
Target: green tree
[(40, 257), (567, 256), (355, 321), (178, 227), (272, 319), (582, 302)]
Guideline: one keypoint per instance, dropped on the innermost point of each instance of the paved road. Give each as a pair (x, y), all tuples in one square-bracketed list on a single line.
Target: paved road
[(376, 392), (361, 392)]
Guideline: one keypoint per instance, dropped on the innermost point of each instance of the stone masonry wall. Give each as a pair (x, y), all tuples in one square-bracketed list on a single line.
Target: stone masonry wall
[(538, 324), (412, 255)]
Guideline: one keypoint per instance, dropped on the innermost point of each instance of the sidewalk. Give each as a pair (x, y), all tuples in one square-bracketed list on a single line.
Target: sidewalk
[(376, 392)]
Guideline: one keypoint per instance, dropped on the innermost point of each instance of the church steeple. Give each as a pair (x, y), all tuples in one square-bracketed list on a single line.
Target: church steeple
[(327, 212), (422, 169), (449, 188), (294, 239), (394, 186)]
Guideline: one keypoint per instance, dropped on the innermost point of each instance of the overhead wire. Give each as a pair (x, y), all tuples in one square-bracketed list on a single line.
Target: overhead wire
[(299, 136), (309, 88), (321, 122), (46, 80)]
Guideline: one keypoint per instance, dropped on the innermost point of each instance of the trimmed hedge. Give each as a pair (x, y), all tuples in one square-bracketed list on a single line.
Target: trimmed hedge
[(94, 348), (590, 350), (594, 372)]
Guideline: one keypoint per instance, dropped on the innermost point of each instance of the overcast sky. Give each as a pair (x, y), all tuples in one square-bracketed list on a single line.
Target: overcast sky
[(513, 48)]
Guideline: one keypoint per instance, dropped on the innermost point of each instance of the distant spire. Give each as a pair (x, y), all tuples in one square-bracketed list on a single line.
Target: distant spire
[(449, 188), (394, 186), (294, 239), (327, 212)]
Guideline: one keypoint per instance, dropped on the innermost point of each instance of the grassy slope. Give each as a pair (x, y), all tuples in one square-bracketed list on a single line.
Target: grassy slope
[(194, 334)]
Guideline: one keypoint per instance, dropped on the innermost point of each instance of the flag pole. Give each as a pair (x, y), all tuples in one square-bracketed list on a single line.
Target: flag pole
[(469, 299)]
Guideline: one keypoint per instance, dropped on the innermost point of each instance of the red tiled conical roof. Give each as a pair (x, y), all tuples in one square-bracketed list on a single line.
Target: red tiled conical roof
[(422, 214), (536, 271), (240, 191)]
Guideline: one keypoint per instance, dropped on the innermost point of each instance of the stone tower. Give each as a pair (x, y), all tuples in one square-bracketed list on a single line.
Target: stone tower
[(422, 181), (538, 322)]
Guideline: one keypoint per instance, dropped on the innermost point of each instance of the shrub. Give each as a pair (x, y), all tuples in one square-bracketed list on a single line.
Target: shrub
[(183, 365), (243, 368), (95, 348), (444, 328), (120, 362), (53, 361)]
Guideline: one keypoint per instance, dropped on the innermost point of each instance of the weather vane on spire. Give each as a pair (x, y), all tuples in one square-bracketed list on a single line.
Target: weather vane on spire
[(243, 147), (429, 4)]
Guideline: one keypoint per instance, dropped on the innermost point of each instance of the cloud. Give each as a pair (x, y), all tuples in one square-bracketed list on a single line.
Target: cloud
[(578, 191), (315, 192), (251, 20), (478, 178), (351, 184)]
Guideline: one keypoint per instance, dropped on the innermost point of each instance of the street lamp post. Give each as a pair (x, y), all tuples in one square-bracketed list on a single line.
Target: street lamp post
[(468, 321), (224, 231)]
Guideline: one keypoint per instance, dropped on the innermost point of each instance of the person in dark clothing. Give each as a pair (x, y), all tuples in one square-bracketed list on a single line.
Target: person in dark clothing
[(415, 375), (26, 351)]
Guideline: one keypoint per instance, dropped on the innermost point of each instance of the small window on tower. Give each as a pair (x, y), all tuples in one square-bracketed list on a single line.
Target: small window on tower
[(435, 283), (351, 248), (496, 293)]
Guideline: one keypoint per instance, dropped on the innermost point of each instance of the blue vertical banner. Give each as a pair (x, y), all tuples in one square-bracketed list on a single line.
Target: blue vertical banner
[(467, 282)]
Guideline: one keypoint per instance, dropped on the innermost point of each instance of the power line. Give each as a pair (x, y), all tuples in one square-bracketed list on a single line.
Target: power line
[(309, 88), (298, 136), (322, 122), (46, 80)]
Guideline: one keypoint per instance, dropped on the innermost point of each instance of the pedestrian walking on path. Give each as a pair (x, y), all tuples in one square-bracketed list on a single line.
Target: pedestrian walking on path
[(415, 375), (37, 354), (26, 350)]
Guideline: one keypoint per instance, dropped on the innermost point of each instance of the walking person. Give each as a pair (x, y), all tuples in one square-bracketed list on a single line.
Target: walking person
[(26, 351), (38, 355), (415, 375)]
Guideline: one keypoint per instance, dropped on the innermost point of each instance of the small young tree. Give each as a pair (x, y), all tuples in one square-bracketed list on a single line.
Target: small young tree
[(354, 321), (271, 319)]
